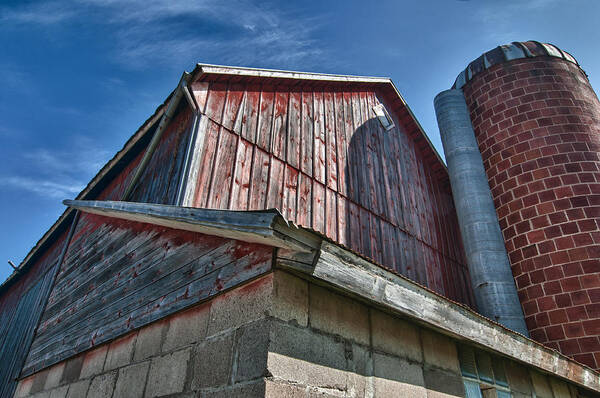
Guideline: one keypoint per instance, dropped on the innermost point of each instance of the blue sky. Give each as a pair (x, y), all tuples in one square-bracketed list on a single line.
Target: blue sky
[(78, 77)]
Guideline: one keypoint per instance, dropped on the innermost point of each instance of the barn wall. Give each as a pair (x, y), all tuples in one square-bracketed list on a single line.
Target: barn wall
[(321, 157), (21, 306), (118, 276)]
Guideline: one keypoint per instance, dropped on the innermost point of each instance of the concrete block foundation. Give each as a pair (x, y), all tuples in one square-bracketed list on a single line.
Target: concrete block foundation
[(277, 336)]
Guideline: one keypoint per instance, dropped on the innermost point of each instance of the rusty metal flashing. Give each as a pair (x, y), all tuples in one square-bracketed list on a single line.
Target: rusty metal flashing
[(336, 266), (509, 52)]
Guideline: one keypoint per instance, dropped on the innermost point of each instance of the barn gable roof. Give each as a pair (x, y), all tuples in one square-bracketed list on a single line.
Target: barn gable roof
[(210, 73), (384, 85)]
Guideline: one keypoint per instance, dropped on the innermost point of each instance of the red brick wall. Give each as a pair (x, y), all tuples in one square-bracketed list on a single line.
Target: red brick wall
[(537, 122)]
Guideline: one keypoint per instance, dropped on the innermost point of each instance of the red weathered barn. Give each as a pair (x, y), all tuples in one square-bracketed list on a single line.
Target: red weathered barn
[(255, 197)]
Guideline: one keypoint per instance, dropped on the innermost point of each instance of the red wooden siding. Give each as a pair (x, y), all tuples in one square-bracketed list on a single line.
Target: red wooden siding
[(160, 179), (117, 276), (321, 157), (21, 306)]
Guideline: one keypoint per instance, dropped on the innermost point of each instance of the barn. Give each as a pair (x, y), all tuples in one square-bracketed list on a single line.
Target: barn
[(267, 233)]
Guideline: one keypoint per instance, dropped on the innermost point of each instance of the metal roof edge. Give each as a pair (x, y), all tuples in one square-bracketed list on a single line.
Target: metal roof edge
[(285, 74)]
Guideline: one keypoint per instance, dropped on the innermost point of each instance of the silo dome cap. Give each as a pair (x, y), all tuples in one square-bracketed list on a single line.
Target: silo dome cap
[(508, 52)]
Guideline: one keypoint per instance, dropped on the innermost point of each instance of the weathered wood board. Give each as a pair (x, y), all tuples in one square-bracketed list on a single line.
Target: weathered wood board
[(20, 310), (319, 155), (119, 275)]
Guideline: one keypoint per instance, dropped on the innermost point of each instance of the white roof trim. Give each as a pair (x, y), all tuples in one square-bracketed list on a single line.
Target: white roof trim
[(284, 74)]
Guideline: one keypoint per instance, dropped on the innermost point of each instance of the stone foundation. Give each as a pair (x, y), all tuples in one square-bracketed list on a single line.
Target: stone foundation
[(278, 336)]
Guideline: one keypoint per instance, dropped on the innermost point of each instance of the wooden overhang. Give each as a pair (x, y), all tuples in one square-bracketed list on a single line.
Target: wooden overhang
[(266, 227), (312, 256), (207, 72)]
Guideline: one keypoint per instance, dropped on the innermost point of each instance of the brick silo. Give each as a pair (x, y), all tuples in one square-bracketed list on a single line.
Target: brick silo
[(537, 124)]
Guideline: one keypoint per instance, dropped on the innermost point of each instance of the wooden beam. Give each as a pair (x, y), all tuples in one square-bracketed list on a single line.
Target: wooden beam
[(262, 227)]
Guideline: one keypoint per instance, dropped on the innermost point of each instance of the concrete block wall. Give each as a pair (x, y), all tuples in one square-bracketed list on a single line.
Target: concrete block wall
[(537, 122), (205, 351), (337, 346), (279, 336)]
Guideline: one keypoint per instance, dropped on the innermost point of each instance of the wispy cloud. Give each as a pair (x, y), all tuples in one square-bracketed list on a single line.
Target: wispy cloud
[(147, 32), (40, 14), (497, 18), (48, 189), (57, 174)]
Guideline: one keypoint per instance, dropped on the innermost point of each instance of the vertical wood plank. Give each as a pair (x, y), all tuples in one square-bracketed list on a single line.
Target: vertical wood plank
[(241, 180), (330, 141), (304, 216), (232, 109), (318, 207), (258, 184), (276, 182), (290, 193), (350, 166), (206, 164), (223, 170), (294, 128), (331, 215), (265, 119), (319, 144), (250, 120), (307, 137), (359, 149), (375, 238), (279, 141), (342, 219), (341, 142), (365, 232), (200, 93), (217, 94), (355, 227)]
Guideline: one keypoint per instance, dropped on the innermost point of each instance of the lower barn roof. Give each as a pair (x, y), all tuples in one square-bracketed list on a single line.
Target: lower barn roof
[(336, 266)]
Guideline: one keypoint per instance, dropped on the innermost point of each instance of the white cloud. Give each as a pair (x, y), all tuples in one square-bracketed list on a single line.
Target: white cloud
[(42, 187), (82, 158), (57, 174), (147, 32)]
